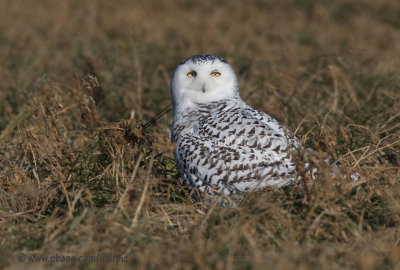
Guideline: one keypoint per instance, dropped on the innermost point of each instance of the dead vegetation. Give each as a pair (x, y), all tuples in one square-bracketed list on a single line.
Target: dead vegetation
[(81, 173)]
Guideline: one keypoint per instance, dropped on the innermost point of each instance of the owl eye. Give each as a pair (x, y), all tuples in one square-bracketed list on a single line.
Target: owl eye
[(215, 74), (191, 74)]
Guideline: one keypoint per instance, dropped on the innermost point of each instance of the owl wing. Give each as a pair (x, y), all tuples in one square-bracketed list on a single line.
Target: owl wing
[(236, 149)]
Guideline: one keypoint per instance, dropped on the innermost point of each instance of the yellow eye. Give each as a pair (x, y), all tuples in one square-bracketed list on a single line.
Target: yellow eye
[(215, 74), (191, 74)]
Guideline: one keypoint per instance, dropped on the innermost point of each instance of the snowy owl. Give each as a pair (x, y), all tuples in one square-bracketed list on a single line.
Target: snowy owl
[(224, 145)]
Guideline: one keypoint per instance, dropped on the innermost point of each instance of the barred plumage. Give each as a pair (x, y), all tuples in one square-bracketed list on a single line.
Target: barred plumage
[(224, 145)]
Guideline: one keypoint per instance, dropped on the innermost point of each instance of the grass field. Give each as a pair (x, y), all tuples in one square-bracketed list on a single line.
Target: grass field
[(81, 176)]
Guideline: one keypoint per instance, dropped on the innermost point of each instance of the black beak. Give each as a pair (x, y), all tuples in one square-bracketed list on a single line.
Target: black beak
[(203, 88)]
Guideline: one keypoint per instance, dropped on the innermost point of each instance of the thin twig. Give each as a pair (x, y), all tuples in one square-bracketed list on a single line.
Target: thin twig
[(67, 196), (141, 202), (364, 156), (158, 116), (130, 183), (76, 198)]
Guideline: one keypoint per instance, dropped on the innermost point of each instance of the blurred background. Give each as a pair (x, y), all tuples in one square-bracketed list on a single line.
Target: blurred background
[(287, 54)]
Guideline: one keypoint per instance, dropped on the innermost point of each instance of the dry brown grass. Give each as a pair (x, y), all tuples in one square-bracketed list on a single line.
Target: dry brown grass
[(79, 175)]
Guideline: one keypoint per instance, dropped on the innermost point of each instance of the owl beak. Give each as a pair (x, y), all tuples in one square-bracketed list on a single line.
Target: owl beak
[(203, 88)]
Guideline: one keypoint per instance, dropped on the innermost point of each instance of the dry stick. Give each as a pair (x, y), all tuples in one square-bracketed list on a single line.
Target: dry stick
[(10, 214), (67, 196), (35, 174), (373, 152), (390, 120), (76, 198), (390, 129), (315, 223), (158, 116), (301, 123), (310, 79), (115, 174), (66, 109), (333, 70), (167, 218), (349, 88), (130, 183), (117, 168), (353, 157), (217, 201), (139, 96), (78, 220), (146, 185), (253, 244), (356, 150), (361, 220)]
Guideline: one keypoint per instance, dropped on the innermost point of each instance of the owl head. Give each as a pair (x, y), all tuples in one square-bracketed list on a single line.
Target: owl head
[(201, 79)]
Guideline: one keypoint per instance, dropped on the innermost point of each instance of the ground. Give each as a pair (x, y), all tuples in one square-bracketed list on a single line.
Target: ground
[(82, 174)]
